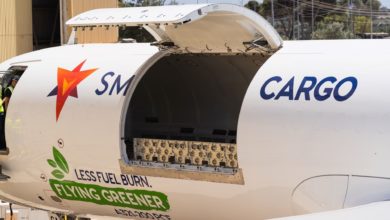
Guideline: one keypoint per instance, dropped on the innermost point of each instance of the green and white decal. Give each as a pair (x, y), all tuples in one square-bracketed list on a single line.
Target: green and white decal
[(119, 197)]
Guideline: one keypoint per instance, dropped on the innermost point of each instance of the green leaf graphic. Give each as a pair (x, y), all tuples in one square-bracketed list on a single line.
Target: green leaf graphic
[(57, 174), (52, 163), (60, 160)]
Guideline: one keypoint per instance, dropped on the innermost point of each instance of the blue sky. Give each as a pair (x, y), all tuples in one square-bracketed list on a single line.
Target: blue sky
[(386, 3)]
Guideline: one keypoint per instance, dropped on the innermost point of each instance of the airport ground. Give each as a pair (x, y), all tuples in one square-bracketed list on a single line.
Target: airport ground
[(25, 213)]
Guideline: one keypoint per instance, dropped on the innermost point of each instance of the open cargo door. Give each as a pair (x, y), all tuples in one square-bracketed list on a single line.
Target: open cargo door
[(181, 111), (205, 28)]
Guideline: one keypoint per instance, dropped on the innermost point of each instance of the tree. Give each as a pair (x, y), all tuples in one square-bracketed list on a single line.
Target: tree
[(254, 6), (293, 16), (362, 24), (152, 2), (133, 3), (333, 30), (123, 3), (138, 33), (173, 2), (283, 14)]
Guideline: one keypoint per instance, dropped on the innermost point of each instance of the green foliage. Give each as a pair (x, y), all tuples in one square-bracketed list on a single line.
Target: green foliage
[(290, 19), (333, 30), (348, 19), (122, 4), (145, 3), (335, 27), (375, 4), (152, 2), (173, 2), (254, 6), (362, 24), (136, 33), (335, 18)]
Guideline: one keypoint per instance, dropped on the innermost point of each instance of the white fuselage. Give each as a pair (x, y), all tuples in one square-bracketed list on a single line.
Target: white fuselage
[(296, 155)]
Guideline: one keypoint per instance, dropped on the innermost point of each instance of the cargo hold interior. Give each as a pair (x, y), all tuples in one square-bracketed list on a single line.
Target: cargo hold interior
[(193, 97)]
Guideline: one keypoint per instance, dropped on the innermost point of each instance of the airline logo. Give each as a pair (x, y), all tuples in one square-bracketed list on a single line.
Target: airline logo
[(67, 82), (309, 88), (99, 192)]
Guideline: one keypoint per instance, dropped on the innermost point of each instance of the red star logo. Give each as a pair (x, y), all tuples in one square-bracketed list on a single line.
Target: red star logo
[(67, 82)]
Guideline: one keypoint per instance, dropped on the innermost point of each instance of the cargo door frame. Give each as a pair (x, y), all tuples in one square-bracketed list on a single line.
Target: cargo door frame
[(186, 29)]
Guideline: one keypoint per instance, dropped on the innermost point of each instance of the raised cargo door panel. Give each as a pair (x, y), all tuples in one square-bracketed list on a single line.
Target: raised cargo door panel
[(205, 28)]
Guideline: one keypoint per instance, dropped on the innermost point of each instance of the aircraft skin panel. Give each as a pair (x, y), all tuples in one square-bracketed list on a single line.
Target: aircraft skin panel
[(281, 141), (100, 120), (377, 211), (295, 139), (41, 78)]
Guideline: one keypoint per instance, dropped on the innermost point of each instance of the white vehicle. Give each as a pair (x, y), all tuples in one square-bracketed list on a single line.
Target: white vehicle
[(219, 119)]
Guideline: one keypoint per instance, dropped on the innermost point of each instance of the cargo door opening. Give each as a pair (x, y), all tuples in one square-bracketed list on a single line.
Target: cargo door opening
[(183, 115), (8, 82), (182, 107)]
